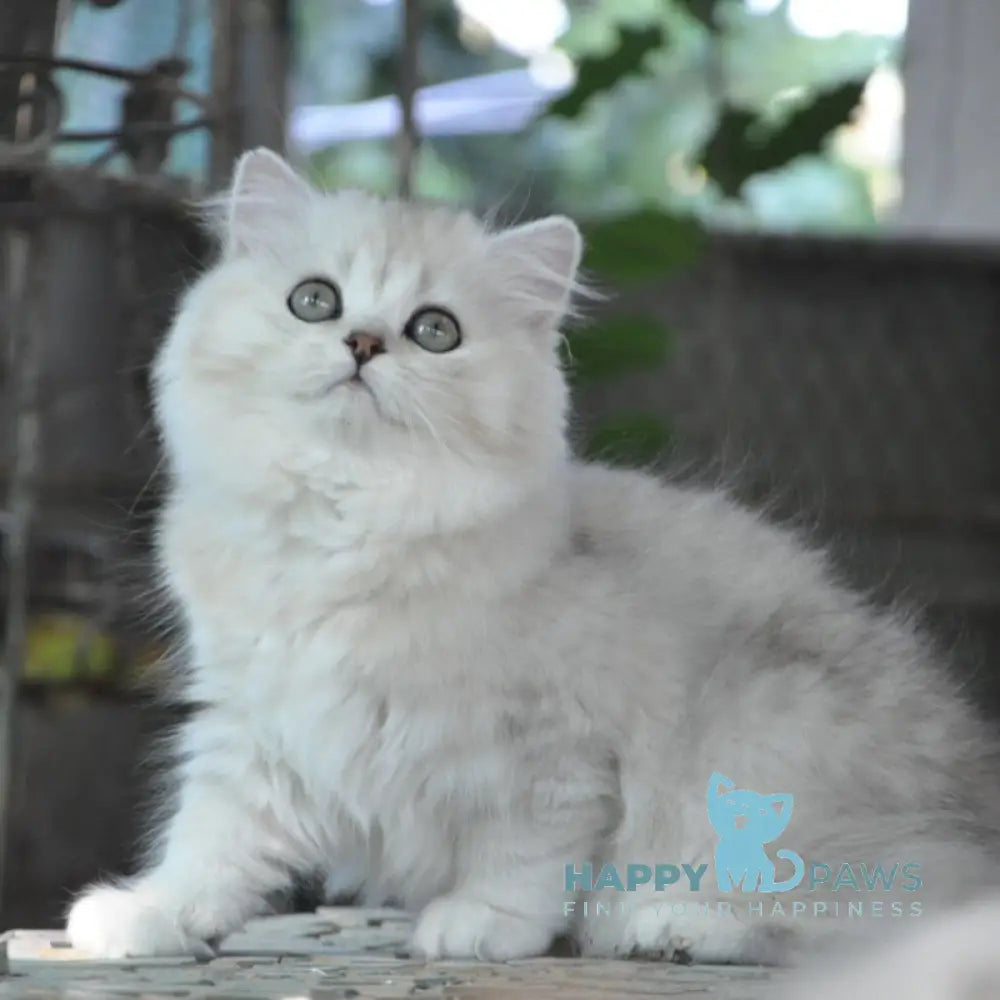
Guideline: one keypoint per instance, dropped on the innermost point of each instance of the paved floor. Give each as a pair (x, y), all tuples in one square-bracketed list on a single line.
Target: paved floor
[(339, 953)]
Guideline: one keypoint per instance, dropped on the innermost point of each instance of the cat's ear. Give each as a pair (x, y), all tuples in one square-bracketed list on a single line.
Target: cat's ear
[(264, 193), (718, 784), (537, 264)]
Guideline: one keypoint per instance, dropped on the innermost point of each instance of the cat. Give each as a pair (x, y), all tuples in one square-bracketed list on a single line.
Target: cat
[(429, 650), (745, 821)]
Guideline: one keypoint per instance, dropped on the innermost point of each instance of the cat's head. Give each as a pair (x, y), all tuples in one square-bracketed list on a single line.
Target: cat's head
[(341, 333), (748, 815)]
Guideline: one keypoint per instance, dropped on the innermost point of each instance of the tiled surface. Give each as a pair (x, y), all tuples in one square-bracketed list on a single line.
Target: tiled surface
[(340, 953)]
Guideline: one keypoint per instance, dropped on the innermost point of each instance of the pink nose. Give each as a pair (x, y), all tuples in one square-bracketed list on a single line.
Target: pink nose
[(364, 346)]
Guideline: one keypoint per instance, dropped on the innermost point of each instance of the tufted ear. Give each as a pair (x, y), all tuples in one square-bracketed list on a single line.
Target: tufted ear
[(264, 192), (538, 263)]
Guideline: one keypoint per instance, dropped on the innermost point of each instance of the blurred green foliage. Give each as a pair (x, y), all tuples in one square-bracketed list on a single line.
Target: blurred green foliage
[(640, 113), (702, 11), (632, 439), (596, 74), (642, 245), (633, 248), (63, 648), (647, 244), (745, 143), (615, 347)]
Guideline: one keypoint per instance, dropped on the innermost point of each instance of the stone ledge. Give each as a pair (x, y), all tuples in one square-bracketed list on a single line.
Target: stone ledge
[(341, 952)]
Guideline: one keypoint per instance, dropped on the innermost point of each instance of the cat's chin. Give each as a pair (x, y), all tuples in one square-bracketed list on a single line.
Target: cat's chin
[(352, 411), (349, 401), (356, 384), (351, 384)]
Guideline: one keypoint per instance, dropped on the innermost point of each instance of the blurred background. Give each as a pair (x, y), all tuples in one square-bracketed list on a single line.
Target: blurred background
[(789, 202)]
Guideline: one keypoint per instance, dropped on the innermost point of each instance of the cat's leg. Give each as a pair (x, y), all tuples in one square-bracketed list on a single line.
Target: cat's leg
[(715, 933), (512, 908), (510, 905), (785, 927), (223, 851), (347, 875), (768, 928), (690, 919), (345, 880), (510, 899), (678, 926)]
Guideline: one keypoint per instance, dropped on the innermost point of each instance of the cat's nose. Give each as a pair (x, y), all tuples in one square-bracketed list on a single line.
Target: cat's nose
[(364, 346)]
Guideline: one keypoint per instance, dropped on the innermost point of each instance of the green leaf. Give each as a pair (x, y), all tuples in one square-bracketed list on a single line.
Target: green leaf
[(646, 244), (743, 144), (633, 439), (596, 74), (61, 648), (702, 11), (616, 347)]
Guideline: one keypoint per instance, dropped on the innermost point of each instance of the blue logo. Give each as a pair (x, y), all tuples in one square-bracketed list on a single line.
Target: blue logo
[(745, 821)]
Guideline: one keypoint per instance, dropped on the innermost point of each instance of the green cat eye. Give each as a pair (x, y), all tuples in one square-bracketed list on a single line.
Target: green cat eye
[(434, 330), (315, 300)]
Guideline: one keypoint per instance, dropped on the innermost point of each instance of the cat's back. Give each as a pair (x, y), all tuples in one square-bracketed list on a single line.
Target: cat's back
[(708, 559), (739, 594), (731, 618)]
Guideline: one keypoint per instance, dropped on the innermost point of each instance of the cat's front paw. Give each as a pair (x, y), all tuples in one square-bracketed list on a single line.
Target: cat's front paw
[(655, 931), (453, 927), (108, 922), (659, 931)]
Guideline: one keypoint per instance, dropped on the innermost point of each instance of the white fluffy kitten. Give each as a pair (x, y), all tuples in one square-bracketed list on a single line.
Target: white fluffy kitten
[(429, 648)]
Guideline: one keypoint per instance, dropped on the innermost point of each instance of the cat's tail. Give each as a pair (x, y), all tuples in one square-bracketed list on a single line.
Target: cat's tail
[(800, 870)]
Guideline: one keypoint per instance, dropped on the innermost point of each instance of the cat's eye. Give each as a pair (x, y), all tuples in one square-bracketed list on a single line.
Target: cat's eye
[(434, 330), (315, 300)]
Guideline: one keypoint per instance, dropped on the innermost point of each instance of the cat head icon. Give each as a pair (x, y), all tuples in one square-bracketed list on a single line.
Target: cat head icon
[(745, 815)]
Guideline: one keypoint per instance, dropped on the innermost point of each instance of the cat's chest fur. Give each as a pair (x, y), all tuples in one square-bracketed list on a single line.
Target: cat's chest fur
[(288, 606), (367, 695)]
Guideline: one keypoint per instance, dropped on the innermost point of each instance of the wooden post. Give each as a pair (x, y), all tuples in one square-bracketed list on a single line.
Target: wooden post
[(250, 65), (951, 132), (25, 26), (26, 284), (408, 139)]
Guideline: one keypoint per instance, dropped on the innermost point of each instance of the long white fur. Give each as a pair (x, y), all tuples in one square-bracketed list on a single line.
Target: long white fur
[(434, 655)]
